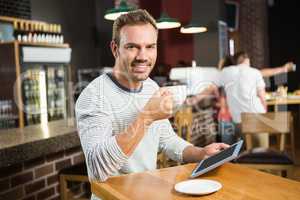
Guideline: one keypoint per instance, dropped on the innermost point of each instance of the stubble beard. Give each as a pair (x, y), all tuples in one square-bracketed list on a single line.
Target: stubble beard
[(135, 77)]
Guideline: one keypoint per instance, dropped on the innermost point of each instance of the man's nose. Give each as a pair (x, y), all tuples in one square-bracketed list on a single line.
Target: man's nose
[(142, 54)]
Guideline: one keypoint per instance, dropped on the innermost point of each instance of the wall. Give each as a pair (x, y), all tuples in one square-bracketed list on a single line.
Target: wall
[(103, 34), (206, 45), (254, 31), (173, 45), (284, 38), (37, 179), (78, 26), (15, 8)]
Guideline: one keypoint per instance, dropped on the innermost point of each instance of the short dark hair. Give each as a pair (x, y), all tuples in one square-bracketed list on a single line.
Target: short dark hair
[(135, 17), (226, 62), (239, 57)]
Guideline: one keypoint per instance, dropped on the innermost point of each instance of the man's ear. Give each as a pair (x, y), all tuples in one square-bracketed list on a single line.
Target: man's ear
[(114, 48)]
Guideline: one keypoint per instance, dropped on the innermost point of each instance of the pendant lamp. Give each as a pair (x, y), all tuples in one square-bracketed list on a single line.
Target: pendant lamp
[(113, 14), (166, 22), (193, 28)]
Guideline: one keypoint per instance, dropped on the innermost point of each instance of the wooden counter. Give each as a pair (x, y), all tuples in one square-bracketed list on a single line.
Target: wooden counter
[(238, 183), (283, 101)]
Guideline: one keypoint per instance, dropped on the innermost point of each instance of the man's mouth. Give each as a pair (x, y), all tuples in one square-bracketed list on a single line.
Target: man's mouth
[(140, 67)]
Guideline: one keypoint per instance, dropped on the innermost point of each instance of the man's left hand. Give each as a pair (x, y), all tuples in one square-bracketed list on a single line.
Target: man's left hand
[(214, 148)]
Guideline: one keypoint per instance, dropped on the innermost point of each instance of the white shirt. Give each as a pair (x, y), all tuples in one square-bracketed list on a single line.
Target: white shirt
[(103, 110), (241, 84)]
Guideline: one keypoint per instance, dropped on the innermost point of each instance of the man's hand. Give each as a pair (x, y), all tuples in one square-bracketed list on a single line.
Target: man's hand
[(287, 67), (160, 106), (195, 154), (212, 89), (214, 148)]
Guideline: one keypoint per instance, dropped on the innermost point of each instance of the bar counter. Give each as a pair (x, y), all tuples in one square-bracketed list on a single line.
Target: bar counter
[(22, 144)]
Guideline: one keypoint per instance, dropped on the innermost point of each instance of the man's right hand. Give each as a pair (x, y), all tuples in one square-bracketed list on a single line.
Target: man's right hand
[(287, 67), (160, 106)]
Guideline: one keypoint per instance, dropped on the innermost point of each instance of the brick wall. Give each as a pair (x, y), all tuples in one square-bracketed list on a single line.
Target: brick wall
[(253, 30), (38, 179), (15, 8)]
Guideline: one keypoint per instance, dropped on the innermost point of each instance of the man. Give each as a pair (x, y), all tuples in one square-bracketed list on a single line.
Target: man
[(244, 86), (245, 90), (123, 117)]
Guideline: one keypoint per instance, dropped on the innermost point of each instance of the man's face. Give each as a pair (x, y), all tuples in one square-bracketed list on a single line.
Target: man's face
[(136, 54)]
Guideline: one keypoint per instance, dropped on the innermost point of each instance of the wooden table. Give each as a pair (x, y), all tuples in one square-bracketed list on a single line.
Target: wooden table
[(238, 183), (282, 101)]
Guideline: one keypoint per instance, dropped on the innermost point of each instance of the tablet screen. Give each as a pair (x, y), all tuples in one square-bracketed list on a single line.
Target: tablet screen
[(218, 159)]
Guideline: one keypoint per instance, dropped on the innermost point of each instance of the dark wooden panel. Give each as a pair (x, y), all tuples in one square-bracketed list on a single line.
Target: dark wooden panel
[(7, 70), (7, 73)]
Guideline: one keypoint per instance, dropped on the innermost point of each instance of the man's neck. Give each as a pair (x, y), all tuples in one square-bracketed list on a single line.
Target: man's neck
[(244, 64), (126, 81)]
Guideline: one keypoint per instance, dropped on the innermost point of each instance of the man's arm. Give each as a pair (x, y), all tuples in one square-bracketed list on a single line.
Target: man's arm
[(130, 138), (261, 93), (158, 107), (209, 92), (267, 72), (105, 153)]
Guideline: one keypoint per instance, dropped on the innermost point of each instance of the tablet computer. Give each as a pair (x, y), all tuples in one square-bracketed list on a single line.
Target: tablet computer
[(218, 159)]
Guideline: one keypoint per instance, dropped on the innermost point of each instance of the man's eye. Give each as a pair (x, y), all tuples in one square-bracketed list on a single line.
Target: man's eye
[(130, 47), (152, 47)]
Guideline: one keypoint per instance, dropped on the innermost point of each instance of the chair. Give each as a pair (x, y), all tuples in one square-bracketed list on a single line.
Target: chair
[(183, 120), (75, 173), (272, 158)]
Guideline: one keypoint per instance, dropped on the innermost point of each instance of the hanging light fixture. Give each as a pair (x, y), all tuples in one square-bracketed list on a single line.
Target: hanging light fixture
[(166, 22), (113, 14), (193, 28)]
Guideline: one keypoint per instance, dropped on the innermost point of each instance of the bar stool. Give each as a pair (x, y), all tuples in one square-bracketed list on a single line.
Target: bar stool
[(75, 173)]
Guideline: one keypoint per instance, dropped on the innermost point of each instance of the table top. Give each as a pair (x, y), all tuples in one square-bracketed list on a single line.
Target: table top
[(238, 182), (283, 101)]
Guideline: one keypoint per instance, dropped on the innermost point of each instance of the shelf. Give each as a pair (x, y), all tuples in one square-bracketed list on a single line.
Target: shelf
[(65, 45), (13, 19)]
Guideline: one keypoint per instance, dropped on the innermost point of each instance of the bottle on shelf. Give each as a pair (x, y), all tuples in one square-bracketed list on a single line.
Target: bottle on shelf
[(7, 118), (37, 32)]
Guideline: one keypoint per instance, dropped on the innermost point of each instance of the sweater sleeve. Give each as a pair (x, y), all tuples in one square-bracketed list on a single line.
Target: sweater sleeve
[(104, 157), (170, 143)]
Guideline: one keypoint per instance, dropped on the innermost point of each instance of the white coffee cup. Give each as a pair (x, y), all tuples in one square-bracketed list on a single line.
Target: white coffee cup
[(179, 93), (294, 68)]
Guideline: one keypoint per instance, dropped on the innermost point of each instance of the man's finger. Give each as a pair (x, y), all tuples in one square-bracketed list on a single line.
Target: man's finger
[(223, 145)]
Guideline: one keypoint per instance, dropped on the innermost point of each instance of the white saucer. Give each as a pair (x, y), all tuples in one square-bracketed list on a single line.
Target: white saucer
[(198, 186)]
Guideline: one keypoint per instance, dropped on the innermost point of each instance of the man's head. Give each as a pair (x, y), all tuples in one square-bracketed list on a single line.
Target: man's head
[(241, 58), (225, 62), (134, 45)]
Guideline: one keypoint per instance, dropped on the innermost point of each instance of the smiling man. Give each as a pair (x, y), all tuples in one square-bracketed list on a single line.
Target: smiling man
[(122, 117), (134, 50)]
